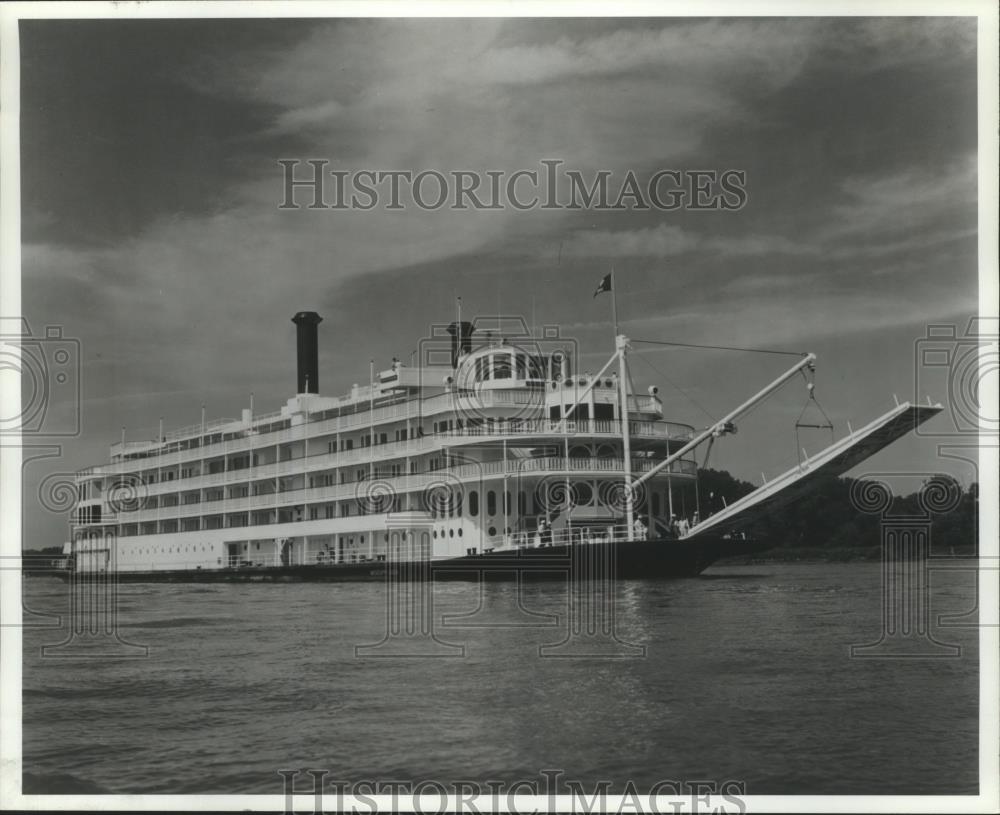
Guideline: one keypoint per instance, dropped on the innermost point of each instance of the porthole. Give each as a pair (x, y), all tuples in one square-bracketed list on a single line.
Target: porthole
[(451, 533), (435, 533), (460, 532), (492, 531), (582, 493)]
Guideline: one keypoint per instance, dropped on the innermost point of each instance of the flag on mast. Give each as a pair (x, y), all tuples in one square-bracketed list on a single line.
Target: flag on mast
[(604, 285)]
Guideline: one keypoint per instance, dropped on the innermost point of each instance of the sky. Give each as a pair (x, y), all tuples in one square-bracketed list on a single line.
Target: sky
[(152, 233)]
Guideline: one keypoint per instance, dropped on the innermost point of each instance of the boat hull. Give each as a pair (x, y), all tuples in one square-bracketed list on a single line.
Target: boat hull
[(625, 560)]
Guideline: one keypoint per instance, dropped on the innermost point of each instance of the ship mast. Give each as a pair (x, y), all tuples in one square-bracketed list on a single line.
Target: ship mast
[(621, 344)]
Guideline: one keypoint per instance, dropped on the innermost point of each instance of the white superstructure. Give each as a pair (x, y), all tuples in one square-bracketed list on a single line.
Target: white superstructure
[(471, 451)]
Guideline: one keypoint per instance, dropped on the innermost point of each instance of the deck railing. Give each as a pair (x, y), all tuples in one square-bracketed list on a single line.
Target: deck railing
[(246, 437), (400, 485), (509, 429)]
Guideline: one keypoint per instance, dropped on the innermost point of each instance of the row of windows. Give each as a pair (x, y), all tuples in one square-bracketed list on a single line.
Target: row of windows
[(451, 533), (444, 504), (246, 460)]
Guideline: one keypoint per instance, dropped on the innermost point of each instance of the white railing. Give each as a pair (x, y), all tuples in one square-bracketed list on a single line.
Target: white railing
[(442, 403), (584, 533), (401, 484), (599, 428)]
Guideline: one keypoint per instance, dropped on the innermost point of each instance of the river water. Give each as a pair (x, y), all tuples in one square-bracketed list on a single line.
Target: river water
[(744, 673)]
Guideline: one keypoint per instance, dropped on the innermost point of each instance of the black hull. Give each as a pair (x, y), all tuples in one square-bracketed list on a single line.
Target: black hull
[(633, 560)]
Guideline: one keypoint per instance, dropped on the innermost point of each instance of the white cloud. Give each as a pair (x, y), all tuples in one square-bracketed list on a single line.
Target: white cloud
[(911, 201), (670, 240)]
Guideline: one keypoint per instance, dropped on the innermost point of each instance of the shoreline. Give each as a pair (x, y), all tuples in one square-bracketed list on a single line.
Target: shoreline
[(820, 554)]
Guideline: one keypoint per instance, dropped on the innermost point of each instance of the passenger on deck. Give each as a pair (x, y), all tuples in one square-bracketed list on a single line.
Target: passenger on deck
[(545, 532), (682, 527), (674, 532), (639, 529)]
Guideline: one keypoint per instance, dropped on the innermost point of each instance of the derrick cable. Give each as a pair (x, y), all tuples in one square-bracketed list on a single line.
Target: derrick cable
[(683, 392), (721, 347)]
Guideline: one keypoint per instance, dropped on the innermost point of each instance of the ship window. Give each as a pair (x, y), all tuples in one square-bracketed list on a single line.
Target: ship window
[(451, 533), (501, 366), (460, 532), (473, 504), (491, 531), (435, 533), (491, 503)]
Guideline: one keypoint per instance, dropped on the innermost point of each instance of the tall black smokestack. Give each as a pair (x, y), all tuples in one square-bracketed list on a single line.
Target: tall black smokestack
[(308, 353), (461, 340)]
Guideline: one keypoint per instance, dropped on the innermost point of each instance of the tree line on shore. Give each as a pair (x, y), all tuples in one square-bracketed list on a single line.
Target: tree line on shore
[(828, 517)]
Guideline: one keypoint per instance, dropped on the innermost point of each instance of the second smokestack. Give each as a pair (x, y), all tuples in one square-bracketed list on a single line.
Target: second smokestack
[(461, 340)]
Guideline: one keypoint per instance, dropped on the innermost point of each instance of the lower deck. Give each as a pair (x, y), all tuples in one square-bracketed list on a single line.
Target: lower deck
[(580, 559)]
